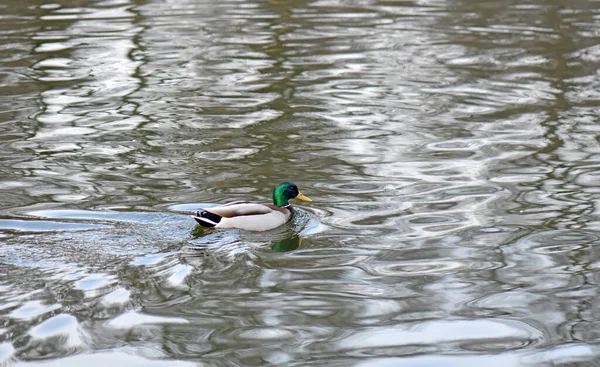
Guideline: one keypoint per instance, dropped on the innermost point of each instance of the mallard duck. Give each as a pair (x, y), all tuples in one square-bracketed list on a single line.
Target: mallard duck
[(252, 216)]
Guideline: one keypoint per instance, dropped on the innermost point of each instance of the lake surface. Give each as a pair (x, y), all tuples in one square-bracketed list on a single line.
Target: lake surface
[(451, 149)]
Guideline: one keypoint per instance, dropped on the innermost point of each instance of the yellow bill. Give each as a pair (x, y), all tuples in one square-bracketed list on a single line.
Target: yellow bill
[(302, 197)]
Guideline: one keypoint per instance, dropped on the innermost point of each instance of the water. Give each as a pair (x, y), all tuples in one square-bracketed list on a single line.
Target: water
[(450, 149)]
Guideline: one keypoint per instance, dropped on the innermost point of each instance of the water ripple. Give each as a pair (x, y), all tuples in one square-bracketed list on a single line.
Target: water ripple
[(450, 150)]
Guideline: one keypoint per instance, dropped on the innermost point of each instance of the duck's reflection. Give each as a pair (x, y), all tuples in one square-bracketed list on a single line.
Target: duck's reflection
[(287, 244), (277, 242)]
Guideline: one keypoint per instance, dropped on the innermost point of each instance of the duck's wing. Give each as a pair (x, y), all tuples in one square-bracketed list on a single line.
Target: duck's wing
[(244, 215), (239, 208), (257, 221)]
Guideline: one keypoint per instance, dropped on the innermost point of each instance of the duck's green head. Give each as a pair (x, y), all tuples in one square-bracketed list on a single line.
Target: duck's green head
[(286, 191)]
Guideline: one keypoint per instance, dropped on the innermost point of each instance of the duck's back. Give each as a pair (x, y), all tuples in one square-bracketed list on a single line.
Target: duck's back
[(239, 208), (250, 216), (258, 222)]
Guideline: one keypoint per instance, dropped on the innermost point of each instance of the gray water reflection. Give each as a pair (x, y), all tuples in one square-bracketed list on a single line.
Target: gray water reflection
[(450, 149)]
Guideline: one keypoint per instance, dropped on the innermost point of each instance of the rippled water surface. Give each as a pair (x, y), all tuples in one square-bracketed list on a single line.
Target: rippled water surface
[(451, 149)]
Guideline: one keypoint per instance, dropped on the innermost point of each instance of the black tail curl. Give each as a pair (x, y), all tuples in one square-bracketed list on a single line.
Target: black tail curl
[(207, 219)]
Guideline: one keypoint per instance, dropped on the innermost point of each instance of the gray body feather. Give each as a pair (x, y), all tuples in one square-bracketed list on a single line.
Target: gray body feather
[(251, 216)]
